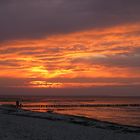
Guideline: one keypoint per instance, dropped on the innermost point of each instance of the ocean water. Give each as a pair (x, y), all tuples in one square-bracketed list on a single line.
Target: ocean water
[(121, 110)]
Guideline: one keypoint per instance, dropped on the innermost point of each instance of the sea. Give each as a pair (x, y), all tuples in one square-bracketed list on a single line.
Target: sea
[(120, 110)]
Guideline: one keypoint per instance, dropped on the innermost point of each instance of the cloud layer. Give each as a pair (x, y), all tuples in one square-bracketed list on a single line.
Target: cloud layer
[(69, 44), (39, 18), (81, 59)]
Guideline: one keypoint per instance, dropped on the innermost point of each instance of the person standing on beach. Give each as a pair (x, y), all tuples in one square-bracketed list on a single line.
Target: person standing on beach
[(17, 104)]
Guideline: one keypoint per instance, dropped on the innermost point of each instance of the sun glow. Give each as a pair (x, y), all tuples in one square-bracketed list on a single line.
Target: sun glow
[(44, 84), (81, 55)]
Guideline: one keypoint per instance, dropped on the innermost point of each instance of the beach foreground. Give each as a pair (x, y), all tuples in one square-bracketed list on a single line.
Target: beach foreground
[(25, 125)]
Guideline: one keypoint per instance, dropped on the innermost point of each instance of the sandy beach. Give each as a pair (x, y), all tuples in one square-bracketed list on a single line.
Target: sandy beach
[(25, 125)]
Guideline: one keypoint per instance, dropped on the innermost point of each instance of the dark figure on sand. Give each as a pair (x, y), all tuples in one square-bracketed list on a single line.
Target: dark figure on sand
[(18, 105)]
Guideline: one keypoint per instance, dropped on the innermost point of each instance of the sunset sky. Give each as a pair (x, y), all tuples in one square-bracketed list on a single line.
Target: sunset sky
[(74, 47)]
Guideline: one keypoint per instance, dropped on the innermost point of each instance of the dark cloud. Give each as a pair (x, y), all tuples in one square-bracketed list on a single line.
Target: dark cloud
[(11, 82), (16, 50), (111, 60), (36, 18), (126, 87), (10, 63), (96, 80), (98, 91)]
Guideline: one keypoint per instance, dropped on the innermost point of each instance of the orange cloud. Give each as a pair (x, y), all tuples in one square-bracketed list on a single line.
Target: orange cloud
[(110, 52)]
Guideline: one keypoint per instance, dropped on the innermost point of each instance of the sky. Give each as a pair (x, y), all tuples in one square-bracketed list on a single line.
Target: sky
[(70, 47)]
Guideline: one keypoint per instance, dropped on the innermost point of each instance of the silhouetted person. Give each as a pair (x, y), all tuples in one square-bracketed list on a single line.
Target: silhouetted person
[(17, 104)]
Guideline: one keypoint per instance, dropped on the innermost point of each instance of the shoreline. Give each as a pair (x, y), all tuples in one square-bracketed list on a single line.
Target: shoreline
[(18, 124), (90, 119), (80, 120), (101, 121)]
